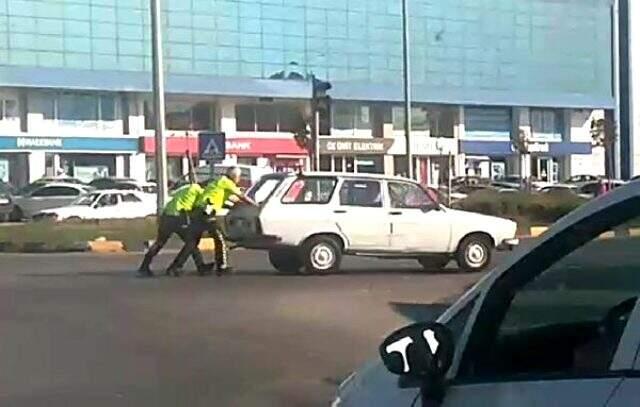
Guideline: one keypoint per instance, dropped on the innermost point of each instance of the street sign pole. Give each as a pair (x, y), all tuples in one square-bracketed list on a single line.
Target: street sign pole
[(407, 85), (158, 103)]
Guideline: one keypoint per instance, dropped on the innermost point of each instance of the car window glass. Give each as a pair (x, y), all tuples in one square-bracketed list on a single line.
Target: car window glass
[(263, 189), (108, 200), (130, 198), (314, 190), (408, 196), (569, 318), (361, 193), (56, 191)]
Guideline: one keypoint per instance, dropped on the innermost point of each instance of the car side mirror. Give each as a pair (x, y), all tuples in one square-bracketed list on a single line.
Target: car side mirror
[(422, 351), (430, 207)]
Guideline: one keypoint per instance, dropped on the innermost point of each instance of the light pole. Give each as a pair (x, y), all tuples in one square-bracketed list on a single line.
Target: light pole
[(407, 84), (158, 103)]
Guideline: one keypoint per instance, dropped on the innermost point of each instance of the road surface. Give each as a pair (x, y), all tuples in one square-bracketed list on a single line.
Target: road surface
[(81, 330)]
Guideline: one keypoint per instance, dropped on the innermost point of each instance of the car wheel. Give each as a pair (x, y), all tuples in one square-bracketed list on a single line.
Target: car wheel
[(434, 263), (285, 260), (16, 214), (474, 253), (321, 255)]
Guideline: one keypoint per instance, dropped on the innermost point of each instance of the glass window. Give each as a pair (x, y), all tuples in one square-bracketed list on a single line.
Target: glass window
[(546, 121), (566, 318), (245, 118), (56, 191), (130, 198), (363, 117), (8, 109), (361, 193), (178, 116), (201, 116), (44, 104), (263, 189), (290, 119), (107, 107), (408, 196), (73, 106), (266, 117), (314, 190), (149, 116), (419, 119), (343, 116), (108, 200)]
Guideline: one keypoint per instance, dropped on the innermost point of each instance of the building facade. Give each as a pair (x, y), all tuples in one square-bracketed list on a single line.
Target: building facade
[(75, 84)]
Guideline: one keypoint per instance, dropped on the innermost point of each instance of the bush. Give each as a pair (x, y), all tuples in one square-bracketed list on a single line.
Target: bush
[(536, 208)]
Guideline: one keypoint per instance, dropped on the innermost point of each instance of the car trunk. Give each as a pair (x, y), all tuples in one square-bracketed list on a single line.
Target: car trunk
[(242, 222)]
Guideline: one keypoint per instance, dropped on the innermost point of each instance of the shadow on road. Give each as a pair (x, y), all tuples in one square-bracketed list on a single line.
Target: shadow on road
[(419, 312)]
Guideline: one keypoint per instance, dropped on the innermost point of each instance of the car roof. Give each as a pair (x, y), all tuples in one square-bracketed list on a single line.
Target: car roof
[(115, 191), (349, 175), (65, 184)]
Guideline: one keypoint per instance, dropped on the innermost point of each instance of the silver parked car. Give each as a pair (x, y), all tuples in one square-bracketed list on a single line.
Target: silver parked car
[(556, 324), (53, 195)]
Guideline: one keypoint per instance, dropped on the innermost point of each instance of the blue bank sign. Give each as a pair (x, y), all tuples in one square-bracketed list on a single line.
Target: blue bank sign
[(98, 144)]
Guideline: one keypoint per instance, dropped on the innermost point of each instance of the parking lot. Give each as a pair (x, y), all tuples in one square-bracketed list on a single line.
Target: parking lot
[(82, 330)]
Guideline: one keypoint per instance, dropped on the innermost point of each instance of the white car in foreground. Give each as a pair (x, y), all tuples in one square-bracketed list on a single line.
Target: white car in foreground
[(310, 220), (555, 324), (107, 204)]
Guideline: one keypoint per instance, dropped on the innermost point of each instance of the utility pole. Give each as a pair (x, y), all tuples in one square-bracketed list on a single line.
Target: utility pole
[(407, 84), (158, 103), (615, 148)]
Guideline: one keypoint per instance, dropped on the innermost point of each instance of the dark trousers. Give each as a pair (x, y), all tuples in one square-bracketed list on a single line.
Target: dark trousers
[(201, 224), (168, 225)]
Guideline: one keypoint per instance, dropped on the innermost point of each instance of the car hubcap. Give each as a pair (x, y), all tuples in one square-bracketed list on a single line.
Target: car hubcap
[(322, 257), (475, 255)]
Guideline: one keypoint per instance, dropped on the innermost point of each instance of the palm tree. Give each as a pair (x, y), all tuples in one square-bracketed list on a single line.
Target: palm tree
[(602, 135)]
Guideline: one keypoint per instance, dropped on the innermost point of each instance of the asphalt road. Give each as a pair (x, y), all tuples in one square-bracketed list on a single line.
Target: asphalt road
[(81, 330)]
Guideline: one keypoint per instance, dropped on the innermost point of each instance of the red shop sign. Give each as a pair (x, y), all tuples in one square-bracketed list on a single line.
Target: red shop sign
[(175, 145), (253, 146)]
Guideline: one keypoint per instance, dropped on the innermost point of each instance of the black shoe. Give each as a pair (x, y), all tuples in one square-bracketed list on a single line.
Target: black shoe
[(224, 270), (173, 271), (144, 273), (206, 269)]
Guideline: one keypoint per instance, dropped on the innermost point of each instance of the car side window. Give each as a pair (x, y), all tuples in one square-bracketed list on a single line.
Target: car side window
[(312, 190), (361, 193), (108, 200), (404, 195), (130, 198), (567, 319), (56, 191)]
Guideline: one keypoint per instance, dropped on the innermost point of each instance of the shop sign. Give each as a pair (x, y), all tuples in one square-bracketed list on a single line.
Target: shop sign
[(38, 142), (424, 145), (90, 144), (355, 146)]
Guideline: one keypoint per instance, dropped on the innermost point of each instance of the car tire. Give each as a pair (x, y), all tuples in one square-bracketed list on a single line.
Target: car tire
[(321, 255), (434, 263), (16, 214), (474, 253), (285, 260)]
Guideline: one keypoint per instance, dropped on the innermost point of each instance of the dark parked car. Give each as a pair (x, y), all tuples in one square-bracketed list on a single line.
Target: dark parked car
[(6, 200)]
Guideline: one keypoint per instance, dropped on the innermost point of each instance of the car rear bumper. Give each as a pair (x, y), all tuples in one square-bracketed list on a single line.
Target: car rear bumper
[(508, 244), (259, 242)]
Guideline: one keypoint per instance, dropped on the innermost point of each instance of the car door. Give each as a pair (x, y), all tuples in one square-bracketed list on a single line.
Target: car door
[(361, 215), (561, 327), (48, 197), (418, 224), (131, 206), (107, 207)]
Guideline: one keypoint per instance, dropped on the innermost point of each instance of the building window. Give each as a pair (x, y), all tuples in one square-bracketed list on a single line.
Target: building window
[(546, 122), (8, 109), (269, 118), (78, 106), (350, 116), (188, 116), (419, 118)]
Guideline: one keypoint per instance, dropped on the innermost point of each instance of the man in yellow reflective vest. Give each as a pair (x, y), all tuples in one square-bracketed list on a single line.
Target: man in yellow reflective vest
[(175, 218), (208, 204)]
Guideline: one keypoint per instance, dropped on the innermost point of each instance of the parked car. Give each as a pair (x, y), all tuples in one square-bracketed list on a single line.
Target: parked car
[(560, 188), (48, 196), (592, 189), (27, 189), (6, 201), (555, 324), (103, 204), (310, 221), (581, 179)]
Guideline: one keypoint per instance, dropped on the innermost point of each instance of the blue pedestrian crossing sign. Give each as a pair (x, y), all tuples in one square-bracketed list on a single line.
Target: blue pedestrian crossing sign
[(211, 145)]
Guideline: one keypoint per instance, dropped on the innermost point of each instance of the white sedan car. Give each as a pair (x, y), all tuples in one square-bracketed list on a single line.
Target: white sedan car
[(107, 204), (310, 220)]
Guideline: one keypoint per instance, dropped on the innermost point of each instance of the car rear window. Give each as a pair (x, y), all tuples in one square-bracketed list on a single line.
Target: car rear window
[(316, 190), (261, 191)]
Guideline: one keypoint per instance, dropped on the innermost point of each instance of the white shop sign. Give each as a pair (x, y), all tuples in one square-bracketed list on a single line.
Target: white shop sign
[(424, 145)]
